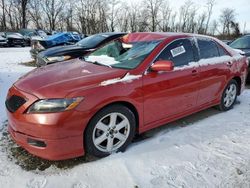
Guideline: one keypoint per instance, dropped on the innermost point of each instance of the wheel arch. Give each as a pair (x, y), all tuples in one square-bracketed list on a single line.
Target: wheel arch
[(239, 82), (127, 104)]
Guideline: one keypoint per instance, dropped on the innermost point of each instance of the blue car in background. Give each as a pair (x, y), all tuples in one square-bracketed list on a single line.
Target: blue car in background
[(64, 38)]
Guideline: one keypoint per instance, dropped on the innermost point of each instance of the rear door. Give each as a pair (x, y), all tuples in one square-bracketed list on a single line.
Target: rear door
[(214, 70), (167, 94)]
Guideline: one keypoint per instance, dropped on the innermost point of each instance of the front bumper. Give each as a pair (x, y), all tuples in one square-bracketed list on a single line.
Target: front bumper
[(3, 43), (16, 42), (58, 149), (61, 133)]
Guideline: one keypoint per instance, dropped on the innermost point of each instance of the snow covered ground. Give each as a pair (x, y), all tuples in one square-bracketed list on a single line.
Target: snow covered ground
[(208, 149)]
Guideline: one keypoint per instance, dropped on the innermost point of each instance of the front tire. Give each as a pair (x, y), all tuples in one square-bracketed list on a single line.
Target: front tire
[(110, 130), (229, 96)]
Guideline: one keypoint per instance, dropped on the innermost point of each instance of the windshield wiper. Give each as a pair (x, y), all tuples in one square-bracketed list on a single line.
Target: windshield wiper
[(98, 63), (95, 62)]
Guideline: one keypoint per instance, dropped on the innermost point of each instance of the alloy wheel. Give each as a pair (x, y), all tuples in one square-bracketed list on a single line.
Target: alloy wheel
[(230, 95), (111, 132)]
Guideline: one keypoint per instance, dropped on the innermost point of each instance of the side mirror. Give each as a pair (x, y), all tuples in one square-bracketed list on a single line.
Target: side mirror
[(163, 65)]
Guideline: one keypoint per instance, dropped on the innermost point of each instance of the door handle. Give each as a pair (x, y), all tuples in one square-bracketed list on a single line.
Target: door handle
[(194, 72), (229, 64)]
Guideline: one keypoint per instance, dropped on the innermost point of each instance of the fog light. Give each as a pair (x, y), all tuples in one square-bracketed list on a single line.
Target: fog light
[(36, 143)]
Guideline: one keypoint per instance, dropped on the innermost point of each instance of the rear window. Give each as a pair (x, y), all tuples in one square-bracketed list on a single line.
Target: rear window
[(208, 49), (222, 51)]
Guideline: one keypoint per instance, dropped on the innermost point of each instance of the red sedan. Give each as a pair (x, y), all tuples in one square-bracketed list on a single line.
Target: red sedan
[(128, 86)]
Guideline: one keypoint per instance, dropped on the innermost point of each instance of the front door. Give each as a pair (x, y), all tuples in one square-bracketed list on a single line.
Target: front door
[(167, 94)]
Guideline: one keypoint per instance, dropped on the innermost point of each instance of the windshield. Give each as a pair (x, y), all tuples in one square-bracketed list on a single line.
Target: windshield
[(243, 42), (122, 55), (91, 41), (12, 33)]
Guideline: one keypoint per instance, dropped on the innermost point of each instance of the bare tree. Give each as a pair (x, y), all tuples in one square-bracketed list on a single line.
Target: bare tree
[(210, 5), (24, 12), (214, 27), (133, 18), (201, 23), (94, 16), (68, 16), (226, 18), (114, 9), (53, 10), (153, 6), (185, 13), (123, 18), (13, 14), (35, 13), (236, 29), (3, 23), (166, 14), (102, 19), (173, 26)]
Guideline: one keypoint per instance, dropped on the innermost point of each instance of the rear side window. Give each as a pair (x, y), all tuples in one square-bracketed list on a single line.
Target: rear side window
[(180, 52), (208, 49), (222, 51)]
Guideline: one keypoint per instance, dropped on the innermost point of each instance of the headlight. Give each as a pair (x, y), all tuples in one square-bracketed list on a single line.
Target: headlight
[(54, 105), (58, 58)]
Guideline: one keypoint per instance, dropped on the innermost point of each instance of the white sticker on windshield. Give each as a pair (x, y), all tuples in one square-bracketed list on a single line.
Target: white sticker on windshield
[(178, 51)]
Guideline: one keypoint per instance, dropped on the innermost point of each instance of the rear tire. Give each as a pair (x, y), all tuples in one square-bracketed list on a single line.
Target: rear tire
[(248, 77), (110, 130), (229, 96)]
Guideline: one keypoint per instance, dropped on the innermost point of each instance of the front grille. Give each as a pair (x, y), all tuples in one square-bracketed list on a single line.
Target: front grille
[(14, 102), (18, 41)]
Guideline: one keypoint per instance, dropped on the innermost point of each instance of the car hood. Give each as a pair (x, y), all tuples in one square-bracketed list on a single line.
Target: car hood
[(2, 38), (60, 50), (14, 37), (59, 80)]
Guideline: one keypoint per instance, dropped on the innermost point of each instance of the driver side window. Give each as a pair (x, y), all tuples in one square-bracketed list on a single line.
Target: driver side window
[(180, 52)]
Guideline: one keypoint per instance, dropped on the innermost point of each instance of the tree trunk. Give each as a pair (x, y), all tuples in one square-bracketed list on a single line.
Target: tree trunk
[(24, 6), (4, 18)]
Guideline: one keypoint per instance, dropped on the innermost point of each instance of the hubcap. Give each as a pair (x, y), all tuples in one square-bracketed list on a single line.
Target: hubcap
[(111, 132), (230, 95)]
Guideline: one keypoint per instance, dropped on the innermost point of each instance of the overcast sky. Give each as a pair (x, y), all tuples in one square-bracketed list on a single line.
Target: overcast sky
[(242, 9)]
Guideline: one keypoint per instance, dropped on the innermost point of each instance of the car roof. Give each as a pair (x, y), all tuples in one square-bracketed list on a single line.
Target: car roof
[(140, 36), (149, 36)]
